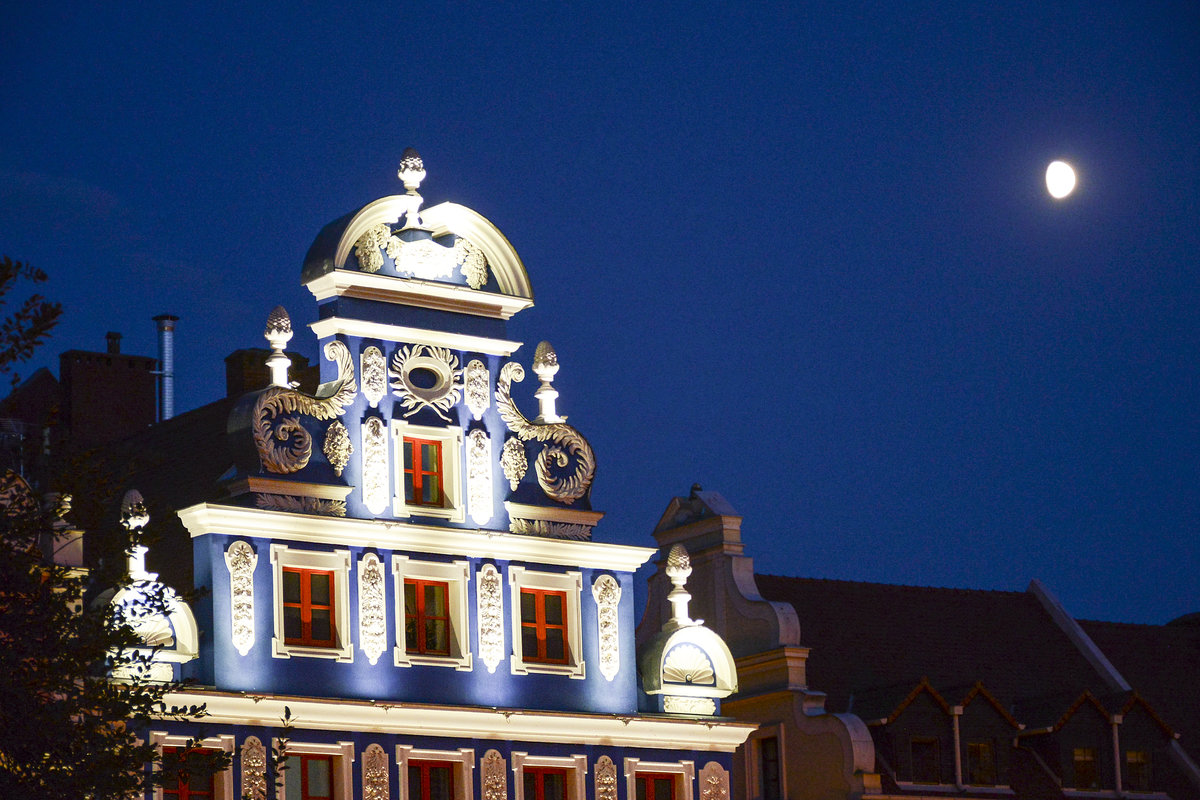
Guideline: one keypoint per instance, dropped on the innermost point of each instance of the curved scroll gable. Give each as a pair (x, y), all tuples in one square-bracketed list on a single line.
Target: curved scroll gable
[(284, 445), (563, 443)]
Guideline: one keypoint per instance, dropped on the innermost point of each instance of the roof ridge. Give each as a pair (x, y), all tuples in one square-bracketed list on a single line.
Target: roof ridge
[(957, 589)]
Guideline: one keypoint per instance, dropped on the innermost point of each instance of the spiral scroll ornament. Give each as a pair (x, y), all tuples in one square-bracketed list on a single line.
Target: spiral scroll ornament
[(284, 446), (563, 443)]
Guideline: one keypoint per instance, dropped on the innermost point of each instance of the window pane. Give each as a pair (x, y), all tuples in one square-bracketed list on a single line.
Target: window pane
[(441, 785), (1085, 768), (663, 789), (556, 646), (768, 753), (291, 586), (292, 778), (641, 789), (530, 785), (435, 599), (322, 627), (528, 606), (408, 487), (554, 786), (291, 623), (429, 458), (554, 609), (318, 777), (410, 597), (435, 636), (529, 642), (430, 492), (415, 787), (320, 589)]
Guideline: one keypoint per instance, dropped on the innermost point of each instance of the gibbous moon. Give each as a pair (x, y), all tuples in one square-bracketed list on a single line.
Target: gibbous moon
[(1060, 179)]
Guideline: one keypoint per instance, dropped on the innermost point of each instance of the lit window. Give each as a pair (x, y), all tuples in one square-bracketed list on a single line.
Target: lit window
[(318, 771), (426, 617), (309, 778), (655, 786), (308, 607), (926, 766), (545, 609), (981, 764), (423, 472), (544, 626), (433, 598), (193, 781), (429, 476), (1137, 771), (768, 767), (1086, 776), (312, 602)]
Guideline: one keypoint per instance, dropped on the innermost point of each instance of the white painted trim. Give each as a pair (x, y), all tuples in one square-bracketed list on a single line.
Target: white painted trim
[(205, 518), (455, 574), (464, 768), (684, 772), (415, 719), (342, 779), (416, 292), (569, 515), (323, 491), (223, 781), (571, 584), (576, 767), (331, 326), (451, 439), (337, 562)]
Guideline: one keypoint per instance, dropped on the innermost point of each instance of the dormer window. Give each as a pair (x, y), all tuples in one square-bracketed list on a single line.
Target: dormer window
[(926, 761), (981, 764), (1137, 771), (1084, 771)]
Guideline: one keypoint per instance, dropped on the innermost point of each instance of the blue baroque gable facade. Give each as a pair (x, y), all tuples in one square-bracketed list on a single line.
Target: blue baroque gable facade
[(405, 559)]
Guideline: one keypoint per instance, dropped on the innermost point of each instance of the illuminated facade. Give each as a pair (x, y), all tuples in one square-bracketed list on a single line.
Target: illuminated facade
[(405, 559)]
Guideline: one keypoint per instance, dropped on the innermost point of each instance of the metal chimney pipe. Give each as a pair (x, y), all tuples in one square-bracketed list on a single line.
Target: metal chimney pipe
[(166, 365)]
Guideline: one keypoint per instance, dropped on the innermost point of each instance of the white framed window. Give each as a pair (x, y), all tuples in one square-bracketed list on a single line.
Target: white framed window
[(221, 782), (311, 603), (435, 774), (546, 622), (659, 780), (429, 471), (317, 770), (431, 613), (549, 777)]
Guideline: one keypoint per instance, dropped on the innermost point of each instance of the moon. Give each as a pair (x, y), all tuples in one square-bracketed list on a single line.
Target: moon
[(1060, 179)]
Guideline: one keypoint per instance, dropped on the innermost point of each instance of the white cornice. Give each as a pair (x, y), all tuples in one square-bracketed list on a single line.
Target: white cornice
[(323, 491), (572, 516), (206, 518), (408, 719), (399, 333), (416, 292)]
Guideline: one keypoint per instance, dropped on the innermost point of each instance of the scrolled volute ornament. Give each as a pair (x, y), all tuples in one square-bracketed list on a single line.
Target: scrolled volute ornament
[(563, 443), (284, 446)]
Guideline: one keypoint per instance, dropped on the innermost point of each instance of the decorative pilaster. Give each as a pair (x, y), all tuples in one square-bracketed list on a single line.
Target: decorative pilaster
[(375, 465), (241, 560), (374, 375), (479, 476), (607, 593), (494, 780), (491, 617), (254, 769), (372, 622), (606, 779), (375, 773), (714, 782)]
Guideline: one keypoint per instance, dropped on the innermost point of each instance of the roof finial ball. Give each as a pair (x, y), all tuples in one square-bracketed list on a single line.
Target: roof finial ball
[(278, 334), (545, 366), (412, 172)]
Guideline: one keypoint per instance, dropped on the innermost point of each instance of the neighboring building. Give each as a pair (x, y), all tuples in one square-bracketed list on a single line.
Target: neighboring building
[(405, 560), (873, 690)]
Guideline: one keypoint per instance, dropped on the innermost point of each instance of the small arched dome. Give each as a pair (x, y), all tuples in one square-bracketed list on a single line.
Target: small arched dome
[(445, 257)]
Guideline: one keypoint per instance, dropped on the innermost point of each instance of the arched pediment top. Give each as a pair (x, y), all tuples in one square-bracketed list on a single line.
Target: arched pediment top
[(692, 660), (334, 246)]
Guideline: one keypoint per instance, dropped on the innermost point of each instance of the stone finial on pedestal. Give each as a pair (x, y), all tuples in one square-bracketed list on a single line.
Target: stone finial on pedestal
[(545, 366), (412, 172), (278, 333)]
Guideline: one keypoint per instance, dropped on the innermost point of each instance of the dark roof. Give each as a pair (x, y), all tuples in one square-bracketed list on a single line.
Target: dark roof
[(1162, 664), (864, 636)]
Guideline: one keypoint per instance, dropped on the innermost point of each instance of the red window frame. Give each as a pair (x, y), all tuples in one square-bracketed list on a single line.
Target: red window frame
[(307, 606), (305, 789), (646, 782), (415, 641), (418, 476), (422, 769), (184, 788), (538, 774), (540, 626)]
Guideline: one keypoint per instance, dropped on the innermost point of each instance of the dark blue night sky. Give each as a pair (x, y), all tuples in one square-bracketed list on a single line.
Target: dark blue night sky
[(801, 254)]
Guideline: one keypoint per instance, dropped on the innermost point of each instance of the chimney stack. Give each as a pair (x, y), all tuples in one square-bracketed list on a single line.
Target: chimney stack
[(166, 365), (114, 343)]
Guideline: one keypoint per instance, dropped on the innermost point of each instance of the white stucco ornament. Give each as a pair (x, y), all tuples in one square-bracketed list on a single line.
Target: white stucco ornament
[(375, 773), (374, 375), (495, 778), (337, 447), (607, 594), (375, 465), (491, 617), (438, 366), (254, 769), (686, 664), (606, 779), (477, 388), (479, 476), (241, 560), (372, 622)]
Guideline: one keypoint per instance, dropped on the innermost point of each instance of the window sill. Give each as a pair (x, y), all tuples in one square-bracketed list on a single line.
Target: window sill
[(281, 650)]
